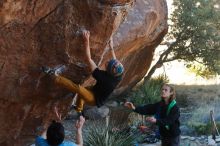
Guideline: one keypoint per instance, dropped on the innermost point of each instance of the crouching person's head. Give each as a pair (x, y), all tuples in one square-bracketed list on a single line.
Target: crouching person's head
[(55, 133)]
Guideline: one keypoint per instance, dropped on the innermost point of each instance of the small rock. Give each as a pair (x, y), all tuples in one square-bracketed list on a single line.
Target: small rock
[(112, 104), (211, 142), (217, 140), (96, 113), (217, 137), (184, 137), (192, 138)]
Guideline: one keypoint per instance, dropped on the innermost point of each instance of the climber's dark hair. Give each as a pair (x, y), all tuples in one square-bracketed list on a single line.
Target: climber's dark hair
[(55, 134)]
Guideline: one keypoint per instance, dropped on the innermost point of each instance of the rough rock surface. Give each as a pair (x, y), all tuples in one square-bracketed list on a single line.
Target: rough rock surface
[(34, 33)]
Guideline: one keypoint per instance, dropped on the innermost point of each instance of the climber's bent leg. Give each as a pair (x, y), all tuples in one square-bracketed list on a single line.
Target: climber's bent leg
[(84, 95), (87, 95), (66, 83)]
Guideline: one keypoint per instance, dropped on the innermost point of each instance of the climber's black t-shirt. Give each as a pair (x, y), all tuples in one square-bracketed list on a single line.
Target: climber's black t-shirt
[(105, 84)]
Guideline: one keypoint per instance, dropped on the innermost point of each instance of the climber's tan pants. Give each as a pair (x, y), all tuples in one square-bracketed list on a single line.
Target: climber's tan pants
[(84, 95)]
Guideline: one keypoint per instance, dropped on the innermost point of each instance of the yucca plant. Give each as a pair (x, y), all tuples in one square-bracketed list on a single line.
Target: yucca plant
[(148, 92), (100, 133)]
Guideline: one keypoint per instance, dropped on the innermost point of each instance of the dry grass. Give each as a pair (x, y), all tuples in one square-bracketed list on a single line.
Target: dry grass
[(196, 95), (196, 101)]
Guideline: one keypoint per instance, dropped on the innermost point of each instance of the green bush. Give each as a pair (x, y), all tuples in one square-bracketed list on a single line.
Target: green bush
[(101, 134), (204, 128), (148, 92), (200, 117)]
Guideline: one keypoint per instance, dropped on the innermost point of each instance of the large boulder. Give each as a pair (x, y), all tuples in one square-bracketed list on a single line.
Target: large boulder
[(47, 32), (137, 37)]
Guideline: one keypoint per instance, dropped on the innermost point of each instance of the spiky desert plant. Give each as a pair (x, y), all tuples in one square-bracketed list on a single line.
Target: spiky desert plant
[(148, 92), (100, 133)]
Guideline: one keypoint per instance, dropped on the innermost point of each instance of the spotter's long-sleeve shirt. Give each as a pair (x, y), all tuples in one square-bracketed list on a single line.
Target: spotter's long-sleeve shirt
[(163, 120)]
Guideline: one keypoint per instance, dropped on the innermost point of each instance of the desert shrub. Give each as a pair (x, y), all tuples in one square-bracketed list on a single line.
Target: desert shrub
[(200, 119), (203, 128), (148, 92), (102, 133)]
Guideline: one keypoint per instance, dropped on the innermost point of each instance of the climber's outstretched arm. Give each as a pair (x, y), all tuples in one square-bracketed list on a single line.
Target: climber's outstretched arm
[(92, 65), (111, 48)]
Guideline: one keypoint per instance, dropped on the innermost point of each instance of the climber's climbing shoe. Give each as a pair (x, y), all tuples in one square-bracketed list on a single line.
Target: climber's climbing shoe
[(47, 70), (53, 71), (59, 69)]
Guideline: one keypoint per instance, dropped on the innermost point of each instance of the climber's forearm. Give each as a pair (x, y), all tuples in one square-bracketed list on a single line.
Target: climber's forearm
[(92, 64), (111, 48), (113, 53)]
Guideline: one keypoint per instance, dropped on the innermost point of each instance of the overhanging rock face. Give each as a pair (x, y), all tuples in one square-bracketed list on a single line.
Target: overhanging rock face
[(47, 32)]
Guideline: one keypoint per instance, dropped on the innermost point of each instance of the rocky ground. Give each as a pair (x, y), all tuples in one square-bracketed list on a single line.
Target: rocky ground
[(191, 100), (186, 140)]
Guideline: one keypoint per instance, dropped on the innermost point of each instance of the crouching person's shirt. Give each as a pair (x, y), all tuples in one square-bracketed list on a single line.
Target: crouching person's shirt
[(40, 141)]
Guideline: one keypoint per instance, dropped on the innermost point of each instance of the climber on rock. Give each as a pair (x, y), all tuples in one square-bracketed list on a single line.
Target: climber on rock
[(106, 80)]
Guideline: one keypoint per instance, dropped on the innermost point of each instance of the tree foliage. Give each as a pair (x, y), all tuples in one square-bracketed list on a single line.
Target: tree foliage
[(194, 35)]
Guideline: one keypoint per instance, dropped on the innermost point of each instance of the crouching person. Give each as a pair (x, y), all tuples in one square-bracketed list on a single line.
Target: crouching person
[(55, 134)]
